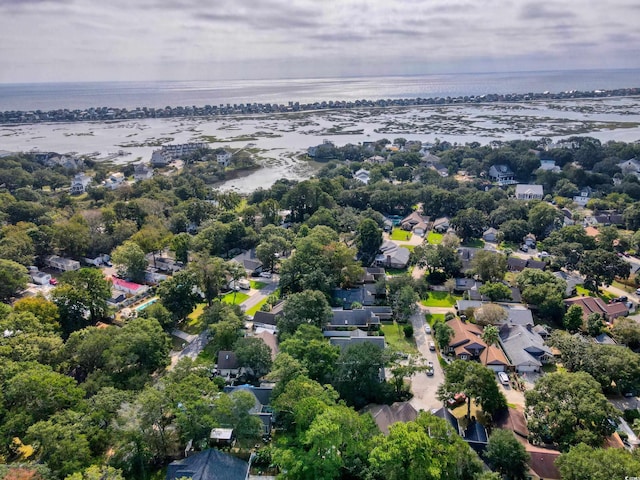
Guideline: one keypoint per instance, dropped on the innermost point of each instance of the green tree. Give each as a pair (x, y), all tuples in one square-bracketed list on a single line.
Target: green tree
[(476, 381), (404, 304), (595, 324), (17, 245), (72, 237), (178, 294), (583, 461), (568, 408), (225, 333), (443, 334), (514, 230), (626, 331), (72, 307), (316, 355), (152, 238), (13, 278), (253, 354), (180, 245), (95, 288), (210, 274), (489, 266), (95, 472), (542, 218), (285, 368), (369, 239), (130, 261), (507, 455), (308, 307), (357, 377), (45, 310), (490, 314), (495, 291), (491, 336), (426, 448), (602, 267), (572, 320), (470, 223)]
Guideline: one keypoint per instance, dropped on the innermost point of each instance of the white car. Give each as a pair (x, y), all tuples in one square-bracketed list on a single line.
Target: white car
[(543, 255), (265, 274), (427, 329), (504, 378)]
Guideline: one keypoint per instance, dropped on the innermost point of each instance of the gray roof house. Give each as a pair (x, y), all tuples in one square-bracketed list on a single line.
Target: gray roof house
[(261, 407), (344, 339), (353, 318), (392, 256), (502, 175), (524, 347), (209, 464), (227, 363), (386, 415), (529, 192), (490, 235), (441, 224)]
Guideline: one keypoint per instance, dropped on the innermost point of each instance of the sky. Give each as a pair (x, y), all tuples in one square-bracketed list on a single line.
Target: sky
[(104, 40)]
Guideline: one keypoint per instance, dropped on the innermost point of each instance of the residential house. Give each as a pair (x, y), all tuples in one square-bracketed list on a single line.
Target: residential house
[(590, 305), (131, 288), (392, 256), (61, 263), (567, 217), (268, 319), (541, 460), (475, 434), (467, 344), (604, 339), (262, 404), (549, 166), (572, 280), (227, 365), (529, 240), (441, 169), (175, 151), (516, 264), (466, 256), (609, 218), (252, 266), (490, 235), (529, 192), (382, 312), (141, 171), (630, 167), (415, 222), (160, 158), (221, 436), (345, 339), (524, 347), (465, 284), (116, 299), (209, 464), (372, 275), (387, 415), (442, 224), (80, 183), (376, 160), (114, 180), (321, 150), (223, 158), (502, 175), (583, 197), (354, 318), (40, 278), (362, 175), (364, 295), (270, 339)]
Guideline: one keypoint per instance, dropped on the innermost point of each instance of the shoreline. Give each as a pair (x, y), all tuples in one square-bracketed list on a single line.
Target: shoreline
[(113, 114)]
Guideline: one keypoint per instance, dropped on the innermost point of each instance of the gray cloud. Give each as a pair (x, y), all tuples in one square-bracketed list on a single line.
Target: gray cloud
[(540, 11)]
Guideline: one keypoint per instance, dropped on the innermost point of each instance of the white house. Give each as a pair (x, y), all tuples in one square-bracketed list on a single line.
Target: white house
[(362, 176), (80, 183), (62, 264), (529, 192), (40, 278), (583, 197), (223, 158), (502, 175), (114, 180), (142, 172), (159, 158), (490, 235), (630, 167), (549, 166)]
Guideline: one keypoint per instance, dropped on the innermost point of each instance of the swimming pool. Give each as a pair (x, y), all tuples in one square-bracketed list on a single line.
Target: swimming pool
[(144, 305)]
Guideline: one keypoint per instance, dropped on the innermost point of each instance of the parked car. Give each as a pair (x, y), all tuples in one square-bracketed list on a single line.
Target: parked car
[(504, 378), (458, 399), (543, 255), (265, 274), (53, 281), (638, 291), (619, 299), (427, 329), (524, 248), (432, 346)]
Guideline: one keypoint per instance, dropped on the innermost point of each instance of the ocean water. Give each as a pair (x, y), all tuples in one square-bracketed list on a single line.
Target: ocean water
[(52, 96)]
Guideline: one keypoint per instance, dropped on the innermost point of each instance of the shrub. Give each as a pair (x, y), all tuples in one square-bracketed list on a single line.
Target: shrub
[(408, 331)]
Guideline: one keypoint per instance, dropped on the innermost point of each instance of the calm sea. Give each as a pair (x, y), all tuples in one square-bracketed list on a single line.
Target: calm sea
[(50, 96)]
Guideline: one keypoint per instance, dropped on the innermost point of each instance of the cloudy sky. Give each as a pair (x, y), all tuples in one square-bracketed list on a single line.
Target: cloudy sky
[(77, 40)]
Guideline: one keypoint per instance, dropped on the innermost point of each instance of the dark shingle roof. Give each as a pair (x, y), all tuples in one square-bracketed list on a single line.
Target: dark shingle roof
[(227, 360), (209, 464)]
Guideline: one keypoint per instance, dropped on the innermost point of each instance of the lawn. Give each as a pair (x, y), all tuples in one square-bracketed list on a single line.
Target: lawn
[(441, 299), (434, 238), (257, 285), (235, 298), (252, 311), (193, 325), (433, 318), (474, 243), (400, 235), (394, 336), (606, 296), (396, 271)]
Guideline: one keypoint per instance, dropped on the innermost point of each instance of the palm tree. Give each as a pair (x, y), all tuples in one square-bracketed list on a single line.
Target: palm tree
[(490, 336)]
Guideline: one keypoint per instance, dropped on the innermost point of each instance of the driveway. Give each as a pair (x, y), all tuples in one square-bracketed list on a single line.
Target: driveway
[(192, 350), (424, 387)]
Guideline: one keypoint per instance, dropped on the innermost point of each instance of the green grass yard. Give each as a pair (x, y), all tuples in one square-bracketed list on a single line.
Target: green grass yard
[(257, 285), (235, 300), (252, 311), (606, 296), (473, 243), (434, 238), (441, 299), (400, 235), (433, 318), (394, 336)]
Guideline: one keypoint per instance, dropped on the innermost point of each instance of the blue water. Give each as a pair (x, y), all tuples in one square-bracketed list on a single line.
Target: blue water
[(51, 96)]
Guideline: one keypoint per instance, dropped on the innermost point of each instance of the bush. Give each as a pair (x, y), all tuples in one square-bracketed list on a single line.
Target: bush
[(449, 316), (631, 414), (436, 278), (408, 331)]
